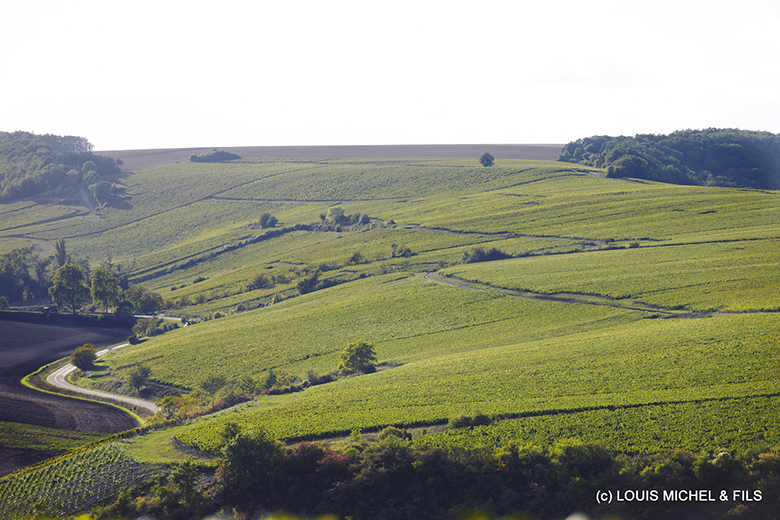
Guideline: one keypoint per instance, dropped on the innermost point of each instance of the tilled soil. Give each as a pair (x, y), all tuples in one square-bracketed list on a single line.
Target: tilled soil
[(24, 347)]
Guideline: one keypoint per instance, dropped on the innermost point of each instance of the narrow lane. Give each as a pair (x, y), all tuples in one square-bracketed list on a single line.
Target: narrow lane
[(57, 378)]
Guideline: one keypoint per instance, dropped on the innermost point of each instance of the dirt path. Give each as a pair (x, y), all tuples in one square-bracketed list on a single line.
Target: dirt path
[(57, 378), (585, 299)]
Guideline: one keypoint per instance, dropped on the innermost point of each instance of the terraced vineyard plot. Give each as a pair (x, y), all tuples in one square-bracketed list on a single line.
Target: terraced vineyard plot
[(629, 363), (716, 425), (578, 205), (342, 181), (732, 276)]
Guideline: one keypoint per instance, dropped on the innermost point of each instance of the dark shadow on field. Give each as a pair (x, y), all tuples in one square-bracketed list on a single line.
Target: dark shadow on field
[(12, 459)]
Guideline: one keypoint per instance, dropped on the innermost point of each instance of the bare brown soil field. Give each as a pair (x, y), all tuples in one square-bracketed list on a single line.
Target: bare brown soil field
[(136, 159), (24, 348)]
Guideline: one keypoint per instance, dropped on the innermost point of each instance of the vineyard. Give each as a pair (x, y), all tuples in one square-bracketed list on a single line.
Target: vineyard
[(643, 316), (70, 483)]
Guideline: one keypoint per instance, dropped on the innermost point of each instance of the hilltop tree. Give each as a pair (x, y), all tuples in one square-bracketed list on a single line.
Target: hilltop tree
[(486, 159), (84, 357), (69, 289), (357, 357)]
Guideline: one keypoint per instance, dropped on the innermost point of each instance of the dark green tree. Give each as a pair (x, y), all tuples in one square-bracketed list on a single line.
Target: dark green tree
[(250, 463), (138, 376), (60, 253), (357, 357), (267, 220), (69, 289), (486, 159), (185, 477)]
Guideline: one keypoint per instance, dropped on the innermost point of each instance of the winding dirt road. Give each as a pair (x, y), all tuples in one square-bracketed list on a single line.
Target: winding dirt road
[(57, 378)]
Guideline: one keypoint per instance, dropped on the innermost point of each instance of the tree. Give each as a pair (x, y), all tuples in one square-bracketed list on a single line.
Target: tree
[(357, 357), (69, 289), (267, 220), (84, 357), (138, 376), (186, 477), (60, 253), (309, 284), (105, 289), (250, 462), (486, 159)]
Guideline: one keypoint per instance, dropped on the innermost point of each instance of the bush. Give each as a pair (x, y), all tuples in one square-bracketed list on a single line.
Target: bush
[(84, 357), (478, 254), (464, 421)]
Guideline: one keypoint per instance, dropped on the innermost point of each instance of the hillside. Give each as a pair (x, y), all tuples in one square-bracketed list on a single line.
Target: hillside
[(640, 315), (33, 164)]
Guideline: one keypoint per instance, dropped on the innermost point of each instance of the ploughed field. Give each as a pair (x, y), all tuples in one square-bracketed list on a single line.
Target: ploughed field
[(637, 314), (24, 348)]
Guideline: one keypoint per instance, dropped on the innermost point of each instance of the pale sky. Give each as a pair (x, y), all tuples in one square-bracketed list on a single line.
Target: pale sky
[(165, 74)]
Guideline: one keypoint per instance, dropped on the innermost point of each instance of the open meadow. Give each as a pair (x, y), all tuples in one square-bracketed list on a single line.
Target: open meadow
[(640, 315)]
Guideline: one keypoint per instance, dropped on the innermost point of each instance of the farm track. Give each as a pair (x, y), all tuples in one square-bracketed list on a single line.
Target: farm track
[(570, 298), (58, 379)]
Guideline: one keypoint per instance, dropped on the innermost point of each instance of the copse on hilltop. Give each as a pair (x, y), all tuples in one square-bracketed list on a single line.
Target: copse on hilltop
[(33, 164), (710, 157)]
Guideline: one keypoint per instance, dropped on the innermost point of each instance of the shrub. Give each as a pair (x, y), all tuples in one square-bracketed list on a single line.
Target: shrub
[(478, 254), (392, 431), (463, 421), (84, 357)]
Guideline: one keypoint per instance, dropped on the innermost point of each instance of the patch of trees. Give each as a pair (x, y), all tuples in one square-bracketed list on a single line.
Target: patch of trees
[(148, 327), (215, 156), (24, 276), (337, 220), (709, 157), (480, 254), (31, 164), (393, 477)]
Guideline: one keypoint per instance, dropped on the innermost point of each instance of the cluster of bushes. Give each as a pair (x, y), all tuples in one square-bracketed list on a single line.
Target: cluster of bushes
[(713, 157), (313, 283), (479, 254), (148, 327), (391, 478), (337, 220), (464, 421), (215, 156)]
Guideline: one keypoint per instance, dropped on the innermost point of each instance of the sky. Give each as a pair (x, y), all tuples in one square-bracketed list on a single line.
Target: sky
[(171, 74)]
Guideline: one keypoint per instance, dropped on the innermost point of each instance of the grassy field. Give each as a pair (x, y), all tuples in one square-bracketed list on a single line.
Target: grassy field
[(559, 348)]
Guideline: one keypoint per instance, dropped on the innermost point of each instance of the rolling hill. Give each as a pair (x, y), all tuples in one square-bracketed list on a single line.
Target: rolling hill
[(638, 314)]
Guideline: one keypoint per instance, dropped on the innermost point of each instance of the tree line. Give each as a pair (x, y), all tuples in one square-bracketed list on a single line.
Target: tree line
[(69, 280), (391, 476), (33, 164), (709, 157)]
